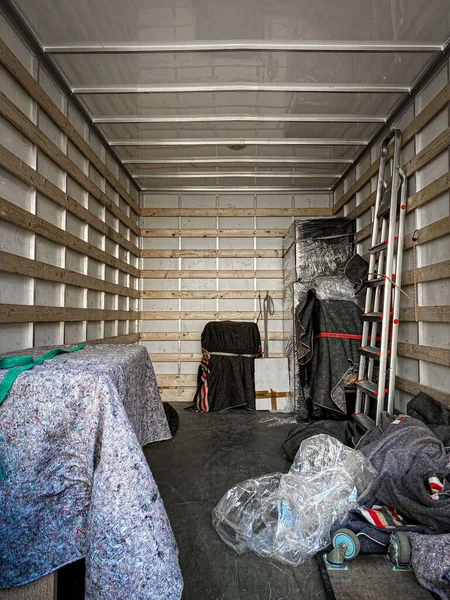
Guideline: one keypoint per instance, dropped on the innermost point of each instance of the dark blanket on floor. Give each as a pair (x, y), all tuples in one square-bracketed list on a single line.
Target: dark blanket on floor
[(344, 431), (431, 562), (227, 379), (329, 334), (406, 454), (434, 414)]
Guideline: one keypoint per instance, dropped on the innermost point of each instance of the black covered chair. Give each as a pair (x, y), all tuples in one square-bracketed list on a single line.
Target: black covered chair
[(226, 375)]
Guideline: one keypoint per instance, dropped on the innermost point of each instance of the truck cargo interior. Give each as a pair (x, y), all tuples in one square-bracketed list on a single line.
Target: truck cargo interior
[(224, 300)]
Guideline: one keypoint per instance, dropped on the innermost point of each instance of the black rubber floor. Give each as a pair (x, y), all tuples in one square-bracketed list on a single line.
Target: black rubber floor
[(209, 454)]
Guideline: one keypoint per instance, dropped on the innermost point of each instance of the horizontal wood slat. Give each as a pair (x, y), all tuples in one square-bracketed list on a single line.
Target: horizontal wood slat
[(413, 388), (178, 394), (26, 220), (427, 314), (429, 112), (363, 207), (20, 73), (429, 273), (213, 233), (11, 263), (25, 173), (425, 195), (191, 274), (127, 338), (429, 192), (186, 357), (171, 336), (37, 137), (236, 212), (433, 149), (14, 313), (208, 295), (429, 233), (439, 356), (171, 315), (176, 380), (238, 253)]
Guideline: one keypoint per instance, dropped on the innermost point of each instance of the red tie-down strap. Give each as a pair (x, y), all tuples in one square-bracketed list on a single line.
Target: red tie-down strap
[(345, 336)]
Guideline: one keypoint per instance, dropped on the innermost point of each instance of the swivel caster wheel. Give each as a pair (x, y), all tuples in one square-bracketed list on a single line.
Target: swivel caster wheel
[(399, 553), (346, 546)]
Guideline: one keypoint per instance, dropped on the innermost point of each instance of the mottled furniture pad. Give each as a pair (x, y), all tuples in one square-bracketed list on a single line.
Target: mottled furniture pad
[(76, 480)]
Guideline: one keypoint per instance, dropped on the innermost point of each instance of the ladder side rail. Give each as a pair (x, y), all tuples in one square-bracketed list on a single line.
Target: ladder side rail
[(369, 290), (397, 293), (387, 283)]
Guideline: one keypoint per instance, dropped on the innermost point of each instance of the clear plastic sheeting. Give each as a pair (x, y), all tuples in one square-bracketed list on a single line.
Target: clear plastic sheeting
[(289, 517), (317, 247), (334, 288)]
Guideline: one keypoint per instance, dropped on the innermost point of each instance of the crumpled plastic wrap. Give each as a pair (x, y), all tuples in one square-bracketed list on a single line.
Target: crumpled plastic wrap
[(289, 517), (334, 288), (317, 247)]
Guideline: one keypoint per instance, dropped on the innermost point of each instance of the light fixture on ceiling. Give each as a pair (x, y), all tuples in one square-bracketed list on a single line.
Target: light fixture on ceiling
[(237, 147)]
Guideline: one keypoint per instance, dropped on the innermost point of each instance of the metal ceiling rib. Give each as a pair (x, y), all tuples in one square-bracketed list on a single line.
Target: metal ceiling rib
[(245, 87), (177, 77), (241, 142), (252, 45), (243, 118)]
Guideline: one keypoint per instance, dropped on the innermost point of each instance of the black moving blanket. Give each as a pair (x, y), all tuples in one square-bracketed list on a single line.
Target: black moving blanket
[(226, 375), (330, 335)]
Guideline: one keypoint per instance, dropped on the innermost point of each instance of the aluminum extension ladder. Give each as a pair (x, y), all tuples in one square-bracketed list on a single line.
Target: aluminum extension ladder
[(378, 351)]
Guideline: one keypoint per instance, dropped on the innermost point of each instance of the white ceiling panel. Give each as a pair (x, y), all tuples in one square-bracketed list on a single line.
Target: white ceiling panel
[(342, 67), (246, 130), (239, 102), (146, 153), (269, 166), (256, 67), (102, 21)]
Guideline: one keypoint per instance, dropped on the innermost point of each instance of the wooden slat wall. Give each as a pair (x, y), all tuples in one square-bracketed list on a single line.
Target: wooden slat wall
[(424, 346), (69, 219), (207, 257)]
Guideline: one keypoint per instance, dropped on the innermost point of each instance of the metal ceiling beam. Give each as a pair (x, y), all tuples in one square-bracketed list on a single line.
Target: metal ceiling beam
[(236, 189), (258, 45), (177, 88), (15, 18), (240, 142), (242, 118), (244, 160), (230, 174), (435, 64)]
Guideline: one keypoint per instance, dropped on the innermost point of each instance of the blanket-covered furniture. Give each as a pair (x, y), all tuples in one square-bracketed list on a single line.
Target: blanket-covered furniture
[(226, 375), (76, 482)]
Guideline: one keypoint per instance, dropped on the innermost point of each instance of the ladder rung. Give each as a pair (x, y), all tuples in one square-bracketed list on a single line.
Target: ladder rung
[(385, 204), (376, 281), (364, 421), (372, 316), (370, 351), (368, 387), (378, 247)]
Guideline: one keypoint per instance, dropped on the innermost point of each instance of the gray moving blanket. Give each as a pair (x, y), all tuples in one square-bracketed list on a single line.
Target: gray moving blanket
[(77, 483), (406, 454), (329, 334), (431, 562), (226, 375)]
